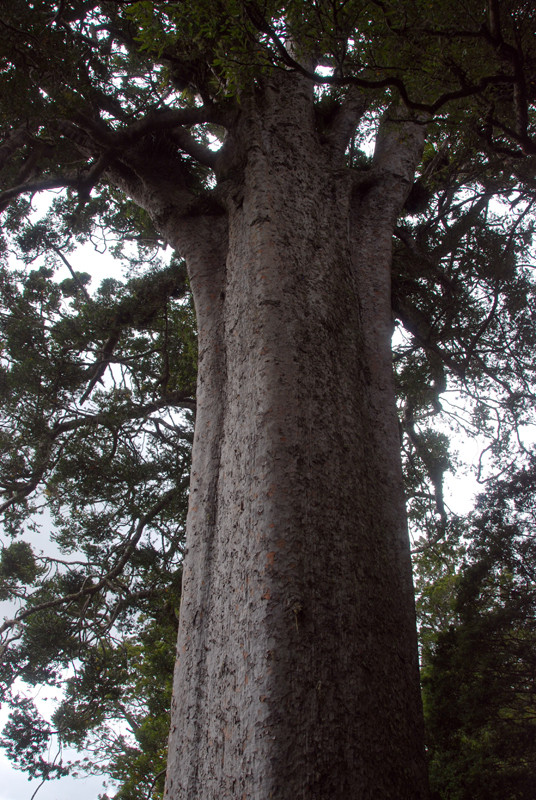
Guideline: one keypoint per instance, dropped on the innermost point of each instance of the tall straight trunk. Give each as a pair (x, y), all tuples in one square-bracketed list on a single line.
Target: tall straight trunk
[(297, 668)]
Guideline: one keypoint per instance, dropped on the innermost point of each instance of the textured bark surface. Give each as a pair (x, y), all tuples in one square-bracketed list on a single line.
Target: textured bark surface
[(297, 664)]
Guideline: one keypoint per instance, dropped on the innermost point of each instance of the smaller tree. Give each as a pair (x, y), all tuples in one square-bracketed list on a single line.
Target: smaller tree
[(479, 649)]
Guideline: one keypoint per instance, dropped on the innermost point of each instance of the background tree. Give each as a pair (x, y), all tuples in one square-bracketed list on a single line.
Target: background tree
[(478, 674), (238, 135)]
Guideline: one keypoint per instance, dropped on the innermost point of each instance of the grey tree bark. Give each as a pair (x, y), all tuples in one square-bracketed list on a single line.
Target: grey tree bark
[(297, 674)]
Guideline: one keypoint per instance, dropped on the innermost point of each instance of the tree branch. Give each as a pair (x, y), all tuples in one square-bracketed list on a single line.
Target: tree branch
[(169, 119), (391, 82), (69, 266), (175, 399), (16, 139), (40, 185), (419, 326), (89, 589), (341, 129), (203, 155)]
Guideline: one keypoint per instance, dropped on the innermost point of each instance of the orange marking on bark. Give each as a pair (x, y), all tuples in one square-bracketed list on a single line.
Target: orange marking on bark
[(270, 557)]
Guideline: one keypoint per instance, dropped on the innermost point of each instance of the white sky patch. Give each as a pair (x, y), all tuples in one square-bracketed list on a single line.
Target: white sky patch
[(461, 487), (16, 785)]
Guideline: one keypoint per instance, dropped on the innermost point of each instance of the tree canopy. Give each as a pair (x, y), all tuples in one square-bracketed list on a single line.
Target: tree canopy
[(100, 103)]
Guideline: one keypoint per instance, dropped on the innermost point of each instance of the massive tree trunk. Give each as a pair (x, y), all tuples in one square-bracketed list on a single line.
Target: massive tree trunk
[(297, 667)]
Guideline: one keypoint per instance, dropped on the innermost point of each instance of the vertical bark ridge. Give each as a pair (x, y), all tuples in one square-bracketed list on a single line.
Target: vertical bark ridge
[(204, 245)]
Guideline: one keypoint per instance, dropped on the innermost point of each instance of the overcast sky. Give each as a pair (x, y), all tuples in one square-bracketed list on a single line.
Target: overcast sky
[(16, 786)]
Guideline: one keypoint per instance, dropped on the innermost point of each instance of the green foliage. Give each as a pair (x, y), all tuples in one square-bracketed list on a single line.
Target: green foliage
[(26, 736), (17, 566), (465, 296), (478, 658), (94, 428)]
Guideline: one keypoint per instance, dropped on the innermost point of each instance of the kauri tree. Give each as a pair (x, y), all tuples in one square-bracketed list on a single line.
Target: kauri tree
[(326, 170)]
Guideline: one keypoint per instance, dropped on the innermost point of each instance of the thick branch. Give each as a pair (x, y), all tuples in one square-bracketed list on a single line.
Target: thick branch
[(43, 184), (419, 326), (190, 145), (12, 143), (513, 56), (158, 120), (434, 466), (399, 146), (457, 230), (341, 129), (92, 136), (174, 399), (170, 119), (24, 492), (422, 261)]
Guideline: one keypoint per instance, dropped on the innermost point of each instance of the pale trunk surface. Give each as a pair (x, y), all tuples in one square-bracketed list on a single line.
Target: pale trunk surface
[(297, 672)]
